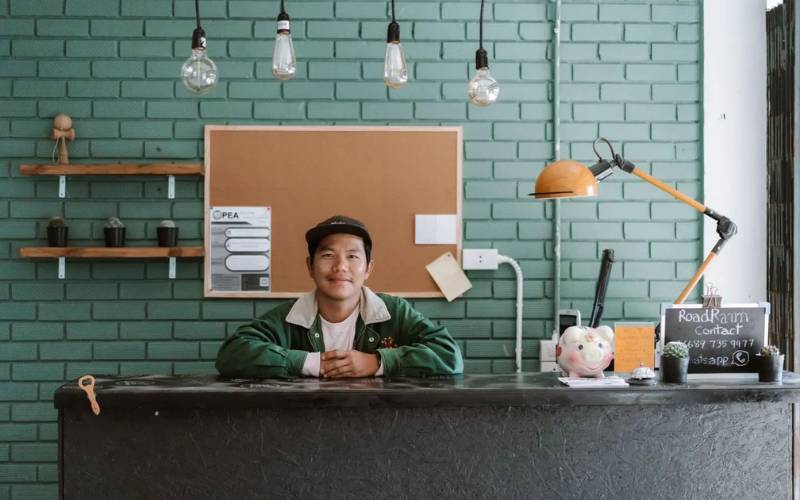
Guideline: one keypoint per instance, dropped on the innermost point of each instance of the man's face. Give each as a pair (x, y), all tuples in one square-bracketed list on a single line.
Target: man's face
[(340, 266)]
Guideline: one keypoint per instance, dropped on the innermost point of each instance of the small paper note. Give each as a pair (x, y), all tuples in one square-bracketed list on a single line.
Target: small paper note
[(435, 229), (634, 343), (588, 382), (448, 276)]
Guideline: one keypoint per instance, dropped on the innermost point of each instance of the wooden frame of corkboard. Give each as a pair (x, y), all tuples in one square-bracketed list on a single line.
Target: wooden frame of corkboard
[(383, 176)]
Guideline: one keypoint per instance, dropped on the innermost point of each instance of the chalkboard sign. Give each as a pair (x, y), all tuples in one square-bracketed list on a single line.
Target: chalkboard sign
[(720, 340)]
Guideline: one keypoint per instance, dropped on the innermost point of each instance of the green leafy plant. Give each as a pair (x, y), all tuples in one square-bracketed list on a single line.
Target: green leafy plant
[(676, 350), (769, 351)]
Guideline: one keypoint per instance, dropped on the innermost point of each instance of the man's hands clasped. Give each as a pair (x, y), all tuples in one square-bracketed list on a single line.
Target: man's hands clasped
[(342, 364)]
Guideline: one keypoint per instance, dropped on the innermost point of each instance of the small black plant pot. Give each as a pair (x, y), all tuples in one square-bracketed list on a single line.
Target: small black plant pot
[(115, 236), (167, 236), (57, 236), (674, 370), (770, 368)]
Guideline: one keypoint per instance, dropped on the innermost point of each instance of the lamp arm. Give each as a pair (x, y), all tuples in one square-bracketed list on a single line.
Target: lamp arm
[(726, 229), (668, 189), (699, 273), (695, 279)]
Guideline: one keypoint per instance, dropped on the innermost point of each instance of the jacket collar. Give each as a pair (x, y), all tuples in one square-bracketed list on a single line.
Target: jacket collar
[(371, 309)]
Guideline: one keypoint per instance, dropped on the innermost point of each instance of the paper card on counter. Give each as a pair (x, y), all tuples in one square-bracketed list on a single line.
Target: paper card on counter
[(448, 276), (435, 229), (634, 343), (588, 382)]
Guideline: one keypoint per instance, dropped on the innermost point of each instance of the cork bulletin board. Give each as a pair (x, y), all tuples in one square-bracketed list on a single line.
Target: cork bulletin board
[(384, 176)]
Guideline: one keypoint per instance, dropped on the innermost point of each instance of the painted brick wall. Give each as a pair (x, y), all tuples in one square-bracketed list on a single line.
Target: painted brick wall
[(630, 72)]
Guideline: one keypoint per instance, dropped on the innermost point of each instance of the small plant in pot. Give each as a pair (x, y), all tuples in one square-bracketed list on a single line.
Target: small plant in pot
[(167, 233), (114, 232), (770, 364), (675, 363), (57, 232)]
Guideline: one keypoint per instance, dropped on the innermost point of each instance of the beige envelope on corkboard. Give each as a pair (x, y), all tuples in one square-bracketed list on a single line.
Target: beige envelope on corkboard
[(634, 343), (448, 276)]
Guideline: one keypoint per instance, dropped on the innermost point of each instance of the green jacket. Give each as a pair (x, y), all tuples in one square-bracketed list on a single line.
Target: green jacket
[(277, 343)]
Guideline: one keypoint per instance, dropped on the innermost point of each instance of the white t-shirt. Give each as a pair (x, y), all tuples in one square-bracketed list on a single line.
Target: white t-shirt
[(336, 336)]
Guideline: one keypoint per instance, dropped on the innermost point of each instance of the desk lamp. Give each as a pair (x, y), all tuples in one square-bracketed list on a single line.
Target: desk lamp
[(571, 179)]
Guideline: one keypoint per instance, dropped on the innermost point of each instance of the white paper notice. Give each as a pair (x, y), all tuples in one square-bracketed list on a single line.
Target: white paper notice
[(239, 249), (448, 276), (435, 230)]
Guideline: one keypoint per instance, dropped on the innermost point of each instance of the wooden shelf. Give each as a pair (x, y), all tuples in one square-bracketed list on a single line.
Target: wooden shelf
[(115, 169), (111, 253)]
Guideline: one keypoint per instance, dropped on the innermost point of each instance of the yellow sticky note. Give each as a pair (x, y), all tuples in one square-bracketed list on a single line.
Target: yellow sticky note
[(634, 343), (448, 276)]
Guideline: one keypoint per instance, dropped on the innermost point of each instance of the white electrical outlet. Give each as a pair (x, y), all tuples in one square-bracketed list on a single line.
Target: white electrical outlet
[(479, 259), (547, 350), (549, 366)]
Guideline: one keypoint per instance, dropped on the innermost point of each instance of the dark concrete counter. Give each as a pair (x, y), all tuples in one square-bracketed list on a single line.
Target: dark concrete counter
[(474, 436), (528, 389)]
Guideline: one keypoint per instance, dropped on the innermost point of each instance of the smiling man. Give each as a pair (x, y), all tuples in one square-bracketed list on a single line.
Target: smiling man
[(341, 328)]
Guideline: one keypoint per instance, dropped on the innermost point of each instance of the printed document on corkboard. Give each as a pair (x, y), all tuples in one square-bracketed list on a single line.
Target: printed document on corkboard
[(634, 344)]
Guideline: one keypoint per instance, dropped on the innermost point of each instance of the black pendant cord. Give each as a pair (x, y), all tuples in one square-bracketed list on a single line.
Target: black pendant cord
[(481, 57), (283, 21), (480, 29), (198, 36), (393, 32), (197, 11)]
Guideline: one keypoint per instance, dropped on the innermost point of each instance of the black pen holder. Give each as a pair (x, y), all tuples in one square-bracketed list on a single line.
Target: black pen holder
[(57, 236), (115, 236), (674, 370), (770, 368), (167, 236)]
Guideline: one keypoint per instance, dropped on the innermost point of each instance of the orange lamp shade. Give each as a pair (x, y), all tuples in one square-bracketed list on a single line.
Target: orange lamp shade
[(565, 179)]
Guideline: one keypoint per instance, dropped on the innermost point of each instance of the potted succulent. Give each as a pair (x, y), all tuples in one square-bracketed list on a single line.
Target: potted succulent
[(675, 363), (167, 233), (770, 364), (114, 232), (57, 232)]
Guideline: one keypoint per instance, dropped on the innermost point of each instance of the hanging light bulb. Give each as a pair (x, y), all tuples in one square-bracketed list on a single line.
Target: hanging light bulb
[(483, 89), (284, 62), (199, 73), (395, 70)]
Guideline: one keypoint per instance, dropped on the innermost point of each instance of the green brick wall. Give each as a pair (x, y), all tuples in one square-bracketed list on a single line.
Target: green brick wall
[(631, 71)]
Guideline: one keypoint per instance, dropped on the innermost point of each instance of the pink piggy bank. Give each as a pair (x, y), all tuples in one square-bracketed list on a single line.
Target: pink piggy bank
[(584, 351)]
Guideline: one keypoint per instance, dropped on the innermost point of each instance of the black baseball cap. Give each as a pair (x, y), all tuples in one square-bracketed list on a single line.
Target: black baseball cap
[(335, 225)]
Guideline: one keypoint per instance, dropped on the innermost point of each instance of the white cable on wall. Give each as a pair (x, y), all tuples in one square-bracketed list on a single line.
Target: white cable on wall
[(502, 259)]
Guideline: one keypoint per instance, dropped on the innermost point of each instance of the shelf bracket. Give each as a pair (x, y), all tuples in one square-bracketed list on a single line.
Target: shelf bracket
[(172, 268), (62, 268), (171, 187), (62, 186)]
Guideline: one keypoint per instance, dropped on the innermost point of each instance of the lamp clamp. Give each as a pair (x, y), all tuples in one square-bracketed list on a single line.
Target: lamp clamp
[(603, 168), (726, 228), (624, 164)]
